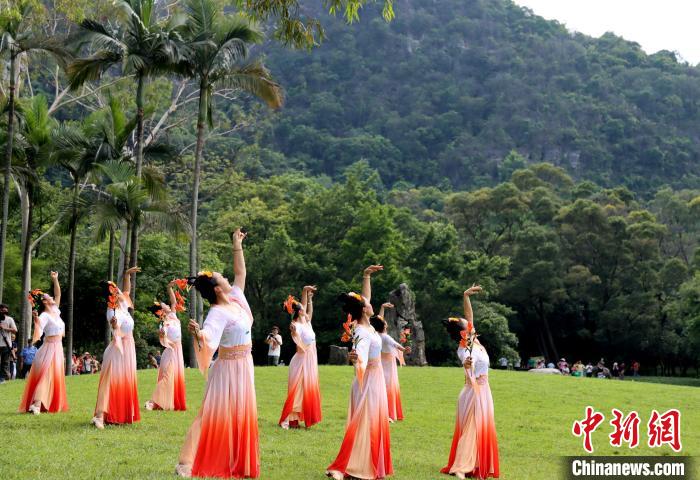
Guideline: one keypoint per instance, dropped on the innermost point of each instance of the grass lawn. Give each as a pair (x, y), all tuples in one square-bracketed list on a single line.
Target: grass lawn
[(534, 414)]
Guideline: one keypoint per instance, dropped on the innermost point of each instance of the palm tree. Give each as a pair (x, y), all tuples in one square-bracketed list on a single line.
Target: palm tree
[(217, 56), (79, 155), (34, 141), (18, 37), (145, 47)]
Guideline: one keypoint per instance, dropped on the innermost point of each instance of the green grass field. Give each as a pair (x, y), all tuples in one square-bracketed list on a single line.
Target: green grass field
[(534, 415)]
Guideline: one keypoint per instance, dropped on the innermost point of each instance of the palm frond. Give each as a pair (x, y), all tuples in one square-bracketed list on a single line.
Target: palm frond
[(252, 78), (89, 69)]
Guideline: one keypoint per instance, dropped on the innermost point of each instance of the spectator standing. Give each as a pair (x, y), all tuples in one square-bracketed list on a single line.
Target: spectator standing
[(7, 328), (615, 372), (152, 362), (503, 363), (27, 357), (86, 363), (274, 340), (635, 368), (157, 355)]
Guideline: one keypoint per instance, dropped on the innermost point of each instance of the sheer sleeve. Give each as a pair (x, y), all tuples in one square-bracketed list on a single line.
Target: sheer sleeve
[(238, 296), (212, 331), (116, 332), (39, 329), (362, 342)]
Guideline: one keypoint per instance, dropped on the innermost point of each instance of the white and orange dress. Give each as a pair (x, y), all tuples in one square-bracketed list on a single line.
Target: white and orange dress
[(366, 449), (170, 389), (474, 446), (46, 381), (390, 354), (223, 439), (117, 393), (303, 390)]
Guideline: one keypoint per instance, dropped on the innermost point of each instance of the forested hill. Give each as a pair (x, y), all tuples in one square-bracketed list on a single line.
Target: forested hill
[(446, 90)]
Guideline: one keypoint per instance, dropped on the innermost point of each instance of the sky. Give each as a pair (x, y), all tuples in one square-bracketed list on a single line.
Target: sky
[(654, 24)]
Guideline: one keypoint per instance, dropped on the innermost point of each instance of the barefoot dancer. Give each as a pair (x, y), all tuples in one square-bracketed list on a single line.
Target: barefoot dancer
[(303, 392), (474, 449), (45, 390), (117, 393), (366, 451)]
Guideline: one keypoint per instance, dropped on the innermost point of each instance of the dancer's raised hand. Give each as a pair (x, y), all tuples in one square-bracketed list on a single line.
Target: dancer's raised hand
[(373, 268), (474, 289)]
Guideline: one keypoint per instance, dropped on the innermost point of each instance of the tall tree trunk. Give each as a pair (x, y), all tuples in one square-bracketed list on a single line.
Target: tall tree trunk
[(125, 260), (139, 124), (25, 309), (8, 166), (110, 277), (133, 259), (123, 246), (71, 278), (201, 124)]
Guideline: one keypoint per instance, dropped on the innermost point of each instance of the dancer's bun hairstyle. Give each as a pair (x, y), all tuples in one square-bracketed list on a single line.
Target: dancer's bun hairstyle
[(351, 305), (377, 323), (296, 309), (454, 328), (154, 309), (204, 283)]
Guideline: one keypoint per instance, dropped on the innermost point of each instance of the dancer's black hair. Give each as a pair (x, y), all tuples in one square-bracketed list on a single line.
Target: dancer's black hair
[(454, 328), (351, 305)]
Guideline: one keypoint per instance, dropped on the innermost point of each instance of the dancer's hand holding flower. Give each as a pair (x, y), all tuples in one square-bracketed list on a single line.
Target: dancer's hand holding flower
[(193, 327), (352, 356)]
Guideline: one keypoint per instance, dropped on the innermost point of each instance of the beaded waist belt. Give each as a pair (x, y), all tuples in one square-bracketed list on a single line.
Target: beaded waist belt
[(388, 356), (373, 362), (481, 380), (53, 339), (235, 353)]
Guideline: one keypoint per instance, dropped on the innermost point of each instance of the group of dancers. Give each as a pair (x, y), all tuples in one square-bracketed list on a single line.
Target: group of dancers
[(223, 439)]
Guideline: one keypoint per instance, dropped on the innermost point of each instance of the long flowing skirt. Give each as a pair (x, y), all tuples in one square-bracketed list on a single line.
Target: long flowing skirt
[(303, 391), (223, 439), (117, 393), (170, 389), (366, 449), (393, 390), (46, 381), (474, 445)]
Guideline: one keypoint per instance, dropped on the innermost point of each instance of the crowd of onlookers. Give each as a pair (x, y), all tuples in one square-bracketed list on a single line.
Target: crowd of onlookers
[(578, 369), (85, 364)]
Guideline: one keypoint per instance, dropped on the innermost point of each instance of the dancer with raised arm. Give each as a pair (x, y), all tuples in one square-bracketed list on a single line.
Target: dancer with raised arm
[(474, 449), (170, 389), (366, 449), (223, 439), (390, 354), (45, 390), (117, 393), (303, 392)]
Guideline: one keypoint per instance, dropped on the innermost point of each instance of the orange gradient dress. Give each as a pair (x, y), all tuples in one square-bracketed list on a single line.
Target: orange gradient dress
[(390, 354), (474, 446), (170, 389), (303, 391), (223, 440), (46, 381), (366, 449), (117, 393)]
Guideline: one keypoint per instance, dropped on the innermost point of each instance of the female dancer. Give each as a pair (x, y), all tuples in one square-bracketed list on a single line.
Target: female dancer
[(223, 439), (170, 389), (390, 353), (117, 393), (474, 447), (45, 389), (366, 451), (303, 391)]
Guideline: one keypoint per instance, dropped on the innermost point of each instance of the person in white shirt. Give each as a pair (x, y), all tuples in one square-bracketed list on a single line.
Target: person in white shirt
[(7, 328), (274, 340)]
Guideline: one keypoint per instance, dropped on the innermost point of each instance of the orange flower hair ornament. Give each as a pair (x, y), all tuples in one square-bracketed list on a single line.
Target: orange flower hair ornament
[(35, 297), (357, 296), (288, 304), (205, 273)]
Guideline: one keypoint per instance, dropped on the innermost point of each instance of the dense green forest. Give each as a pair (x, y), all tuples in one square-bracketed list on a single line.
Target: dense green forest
[(464, 141)]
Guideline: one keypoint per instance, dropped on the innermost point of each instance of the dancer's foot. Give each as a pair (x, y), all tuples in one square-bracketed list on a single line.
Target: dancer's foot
[(460, 475), (335, 475), (35, 409), (98, 423), (183, 470), (148, 405), (285, 425)]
